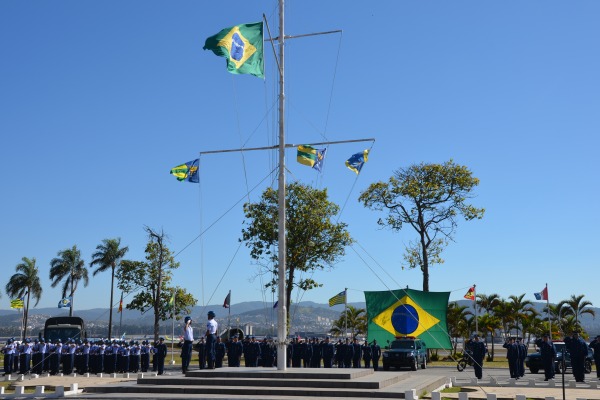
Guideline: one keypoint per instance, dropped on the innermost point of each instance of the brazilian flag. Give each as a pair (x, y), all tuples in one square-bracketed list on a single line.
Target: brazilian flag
[(242, 46), (408, 312)]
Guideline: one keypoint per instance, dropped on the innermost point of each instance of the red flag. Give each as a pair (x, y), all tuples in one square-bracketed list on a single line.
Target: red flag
[(470, 295), (227, 301), (543, 295)]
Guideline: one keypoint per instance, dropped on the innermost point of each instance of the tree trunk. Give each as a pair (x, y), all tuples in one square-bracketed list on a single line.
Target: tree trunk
[(110, 313), (71, 303), (425, 266), (26, 316)]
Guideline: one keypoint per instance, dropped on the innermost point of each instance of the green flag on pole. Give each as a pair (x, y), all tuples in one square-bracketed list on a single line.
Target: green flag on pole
[(408, 312), (242, 46)]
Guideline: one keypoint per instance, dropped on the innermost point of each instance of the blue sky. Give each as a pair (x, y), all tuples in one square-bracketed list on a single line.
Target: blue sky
[(99, 100)]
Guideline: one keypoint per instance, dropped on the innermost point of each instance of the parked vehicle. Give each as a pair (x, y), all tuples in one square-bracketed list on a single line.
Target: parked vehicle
[(534, 361), (405, 351)]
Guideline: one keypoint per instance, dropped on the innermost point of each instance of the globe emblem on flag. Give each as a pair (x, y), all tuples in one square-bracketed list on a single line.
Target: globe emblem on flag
[(237, 47), (405, 319)]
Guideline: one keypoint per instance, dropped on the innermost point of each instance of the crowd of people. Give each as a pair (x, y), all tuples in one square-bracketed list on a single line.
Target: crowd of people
[(301, 353), (82, 356)]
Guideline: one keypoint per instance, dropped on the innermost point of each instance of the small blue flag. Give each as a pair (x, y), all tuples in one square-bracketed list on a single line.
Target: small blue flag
[(65, 303), (356, 162)]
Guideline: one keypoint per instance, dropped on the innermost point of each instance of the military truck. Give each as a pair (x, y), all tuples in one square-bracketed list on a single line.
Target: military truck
[(64, 328)]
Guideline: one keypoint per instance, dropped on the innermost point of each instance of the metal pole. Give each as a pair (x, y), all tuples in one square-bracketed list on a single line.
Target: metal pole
[(548, 312), (475, 305), (173, 331), (282, 309)]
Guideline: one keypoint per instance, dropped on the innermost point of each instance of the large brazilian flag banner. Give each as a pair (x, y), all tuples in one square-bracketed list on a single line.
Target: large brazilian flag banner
[(407, 312)]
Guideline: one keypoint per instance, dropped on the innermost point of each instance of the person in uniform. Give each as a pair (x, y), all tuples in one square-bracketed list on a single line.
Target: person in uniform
[(578, 350), (512, 354), (212, 327), (145, 356), (357, 353), (134, 357), (478, 351), (521, 357), (201, 348), (55, 357), (188, 340), (25, 356), (8, 350), (220, 351), (595, 345), (548, 354), (375, 354), (161, 354), (367, 354), (306, 353), (234, 352), (328, 352), (348, 353)]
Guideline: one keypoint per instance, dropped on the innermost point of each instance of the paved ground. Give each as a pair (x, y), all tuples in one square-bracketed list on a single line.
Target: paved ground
[(462, 378)]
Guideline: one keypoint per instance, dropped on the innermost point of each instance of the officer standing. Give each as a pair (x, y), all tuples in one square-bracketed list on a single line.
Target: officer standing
[(548, 354), (356, 357), (161, 354), (219, 353), (234, 352), (328, 352), (201, 347), (478, 351), (211, 339), (188, 340), (595, 345), (367, 354), (578, 351), (512, 354), (375, 354), (9, 351)]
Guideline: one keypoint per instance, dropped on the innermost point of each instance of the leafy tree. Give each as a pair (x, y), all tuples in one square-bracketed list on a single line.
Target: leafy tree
[(576, 306), (25, 281), (70, 267), (487, 302), (355, 319), (108, 256), (429, 198), (150, 280), (314, 241), (490, 323), (520, 309), (457, 321), (504, 311)]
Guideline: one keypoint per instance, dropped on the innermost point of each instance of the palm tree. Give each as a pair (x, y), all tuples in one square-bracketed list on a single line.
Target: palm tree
[(456, 319), (355, 319), (108, 255), (577, 305), (25, 281), (490, 323), (70, 267), (520, 309), (488, 302), (503, 310)]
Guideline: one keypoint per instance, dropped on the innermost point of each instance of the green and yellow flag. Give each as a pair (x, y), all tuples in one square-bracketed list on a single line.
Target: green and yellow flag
[(242, 46), (17, 303), (407, 312)]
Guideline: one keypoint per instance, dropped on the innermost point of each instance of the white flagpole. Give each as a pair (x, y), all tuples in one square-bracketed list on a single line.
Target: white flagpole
[(548, 311), (475, 306), (173, 331), (346, 309)]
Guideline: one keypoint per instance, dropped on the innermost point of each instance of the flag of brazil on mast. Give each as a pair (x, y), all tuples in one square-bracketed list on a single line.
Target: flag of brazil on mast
[(242, 46), (407, 312)]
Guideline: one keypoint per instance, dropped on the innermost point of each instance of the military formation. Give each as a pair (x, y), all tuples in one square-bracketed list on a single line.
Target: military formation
[(77, 356), (301, 353)]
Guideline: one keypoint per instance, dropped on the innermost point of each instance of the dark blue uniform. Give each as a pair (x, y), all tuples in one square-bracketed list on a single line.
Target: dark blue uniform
[(478, 351), (512, 354), (376, 354), (357, 355), (548, 354), (595, 345), (578, 351), (328, 353)]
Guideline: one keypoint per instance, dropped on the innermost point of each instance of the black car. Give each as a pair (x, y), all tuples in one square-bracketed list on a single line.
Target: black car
[(534, 361), (405, 352)]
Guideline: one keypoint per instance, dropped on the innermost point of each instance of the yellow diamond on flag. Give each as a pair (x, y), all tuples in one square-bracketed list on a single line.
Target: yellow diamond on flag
[(240, 49), (405, 317)]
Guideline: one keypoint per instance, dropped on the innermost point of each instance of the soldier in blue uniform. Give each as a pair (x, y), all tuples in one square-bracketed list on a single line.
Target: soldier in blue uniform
[(188, 340), (161, 354), (512, 354), (348, 353), (328, 352), (522, 348), (478, 351), (8, 350), (219, 353), (367, 354), (212, 329), (201, 348), (234, 352), (306, 353), (356, 357), (578, 350), (548, 354), (595, 345), (376, 354)]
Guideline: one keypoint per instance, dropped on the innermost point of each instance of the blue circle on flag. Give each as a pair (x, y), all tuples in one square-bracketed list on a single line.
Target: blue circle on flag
[(405, 319)]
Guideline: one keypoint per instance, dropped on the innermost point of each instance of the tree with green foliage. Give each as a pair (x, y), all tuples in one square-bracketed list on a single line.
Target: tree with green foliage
[(108, 256), (429, 198), (70, 267), (353, 319), (314, 241), (576, 306), (25, 282), (457, 320), (150, 280)]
